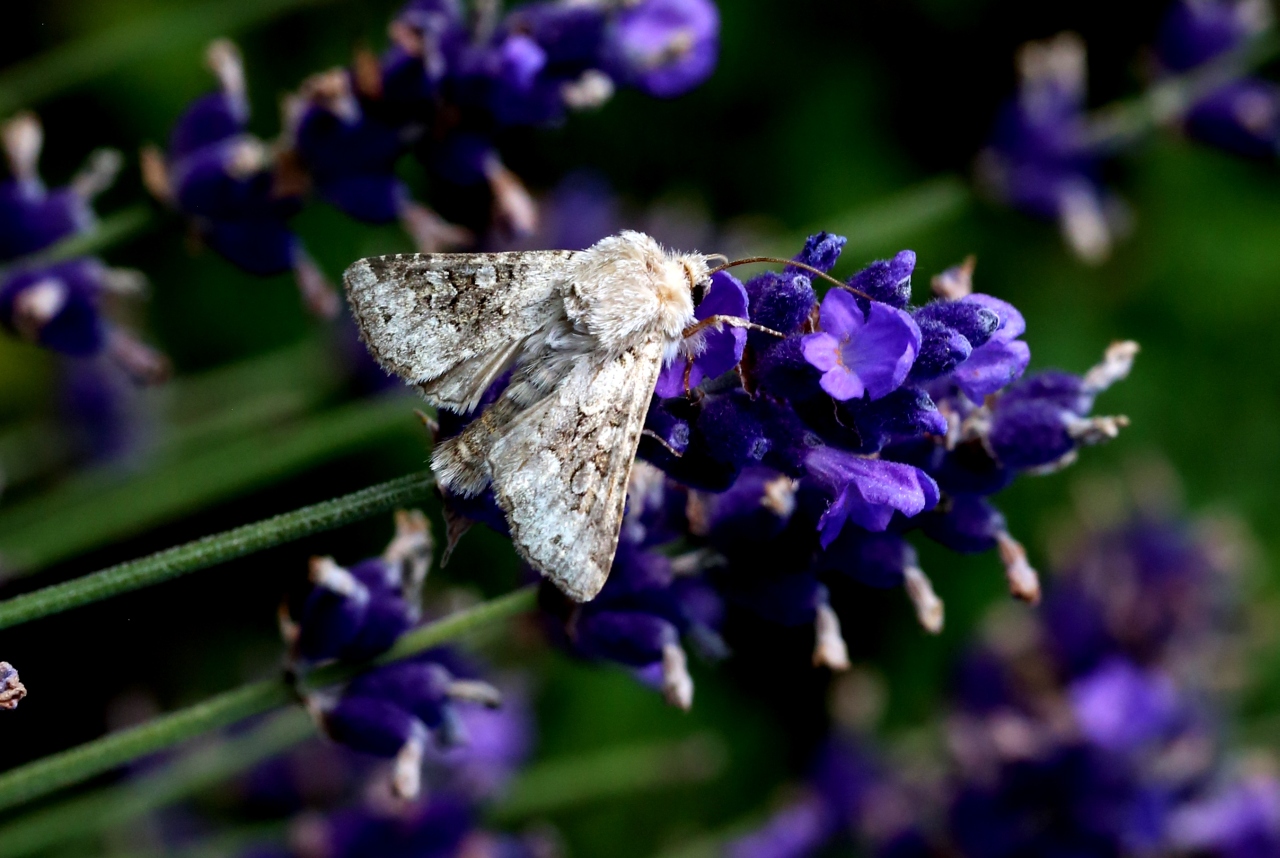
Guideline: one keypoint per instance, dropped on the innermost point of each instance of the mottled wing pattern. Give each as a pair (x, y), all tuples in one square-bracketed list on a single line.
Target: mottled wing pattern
[(452, 322), (561, 471)]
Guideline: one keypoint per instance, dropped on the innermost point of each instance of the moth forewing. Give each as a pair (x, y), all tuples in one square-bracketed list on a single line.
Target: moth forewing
[(452, 322), (561, 475)]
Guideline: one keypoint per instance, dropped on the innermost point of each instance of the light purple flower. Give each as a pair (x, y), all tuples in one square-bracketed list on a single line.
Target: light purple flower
[(721, 349), (1121, 707), (858, 353), (868, 491), (999, 361), (664, 48)]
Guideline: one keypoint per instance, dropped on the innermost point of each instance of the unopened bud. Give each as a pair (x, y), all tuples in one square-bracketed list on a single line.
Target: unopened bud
[(829, 648), (677, 684), (929, 608), (1024, 583)]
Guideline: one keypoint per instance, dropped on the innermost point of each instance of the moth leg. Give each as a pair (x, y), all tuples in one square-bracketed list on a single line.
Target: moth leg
[(731, 321)]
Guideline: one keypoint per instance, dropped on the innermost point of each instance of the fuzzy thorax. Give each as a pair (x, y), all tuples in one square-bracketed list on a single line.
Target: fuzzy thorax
[(626, 288)]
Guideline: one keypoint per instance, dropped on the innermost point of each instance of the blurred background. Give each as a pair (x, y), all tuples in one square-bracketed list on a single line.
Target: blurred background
[(862, 118)]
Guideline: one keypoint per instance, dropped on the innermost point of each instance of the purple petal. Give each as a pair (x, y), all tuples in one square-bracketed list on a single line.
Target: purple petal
[(840, 314), (671, 380), (868, 490), (991, 368), (821, 350), (842, 384), (721, 349), (881, 354)]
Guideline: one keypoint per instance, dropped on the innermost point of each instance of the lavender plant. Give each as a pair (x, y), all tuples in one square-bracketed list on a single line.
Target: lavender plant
[(1091, 727)]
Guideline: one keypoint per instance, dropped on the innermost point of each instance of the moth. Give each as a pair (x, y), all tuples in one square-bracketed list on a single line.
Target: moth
[(587, 333)]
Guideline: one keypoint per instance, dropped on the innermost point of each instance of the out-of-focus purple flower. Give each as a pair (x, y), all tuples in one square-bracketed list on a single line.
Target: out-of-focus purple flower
[(11, 688), (1121, 707), (1041, 158), (663, 48), (717, 350), (225, 180), (32, 217), (1196, 31), (861, 354), (61, 307), (1241, 821), (357, 613), (1242, 115), (868, 491)]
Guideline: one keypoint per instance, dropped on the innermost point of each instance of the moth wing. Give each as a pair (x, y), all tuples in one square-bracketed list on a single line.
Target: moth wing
[(561, 470), (452, 322)]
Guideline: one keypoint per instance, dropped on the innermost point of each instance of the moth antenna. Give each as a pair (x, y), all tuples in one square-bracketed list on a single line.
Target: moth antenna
[(731, 321), (721, 256), (792, 263)]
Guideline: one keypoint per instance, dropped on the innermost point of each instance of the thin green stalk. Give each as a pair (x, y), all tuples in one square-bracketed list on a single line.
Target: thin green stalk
[(1123, 122), (96, 54), (215, 549), (72, 519), (120, 805), (557, 785), (115, 228), (76, 765), (548, 787)]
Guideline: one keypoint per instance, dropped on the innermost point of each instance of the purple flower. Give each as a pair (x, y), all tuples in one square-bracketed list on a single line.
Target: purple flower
[(664, 48), (720, 348), (11, 688), (999, 361), (868, 491), (32, 217), (861, 354), (1121, 707)]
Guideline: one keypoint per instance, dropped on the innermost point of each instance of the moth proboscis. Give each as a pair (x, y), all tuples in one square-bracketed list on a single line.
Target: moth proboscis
[(587, 333)]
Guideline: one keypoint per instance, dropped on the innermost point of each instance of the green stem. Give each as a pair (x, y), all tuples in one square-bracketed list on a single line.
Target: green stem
[(1123, 122), (109, 231), (90, 57), (558, 785), (119, 805), (215, 549), (76, 517), (49, 774)]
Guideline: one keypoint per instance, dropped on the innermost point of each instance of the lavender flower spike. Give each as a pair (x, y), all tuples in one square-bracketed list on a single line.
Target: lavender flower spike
[(861, 354)]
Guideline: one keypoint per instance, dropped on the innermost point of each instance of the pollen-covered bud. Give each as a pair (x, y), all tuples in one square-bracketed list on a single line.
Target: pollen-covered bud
[(887, 280), (822, 250), (11, 688)]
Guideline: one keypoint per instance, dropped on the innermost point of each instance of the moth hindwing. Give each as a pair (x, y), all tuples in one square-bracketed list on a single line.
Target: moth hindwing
[(584, 333)]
